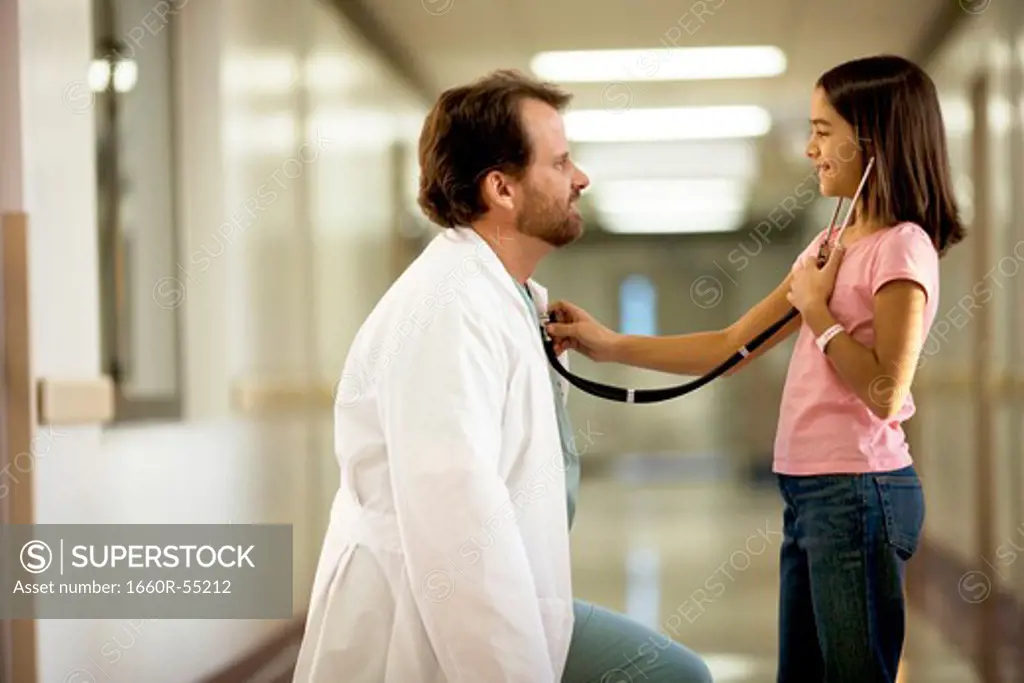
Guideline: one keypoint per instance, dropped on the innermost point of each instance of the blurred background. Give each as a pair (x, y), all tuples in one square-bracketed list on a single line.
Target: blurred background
[(203, 199)]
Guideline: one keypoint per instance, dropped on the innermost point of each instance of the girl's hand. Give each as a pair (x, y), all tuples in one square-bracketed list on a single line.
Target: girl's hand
[(811, 287), (577, 329)]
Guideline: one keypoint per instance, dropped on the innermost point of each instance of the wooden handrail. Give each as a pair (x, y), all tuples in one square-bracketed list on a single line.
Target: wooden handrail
[(255, 397), (999, 385), (63, 401)]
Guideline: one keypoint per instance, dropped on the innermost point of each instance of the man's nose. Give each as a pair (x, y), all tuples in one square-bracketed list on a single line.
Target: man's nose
[(581, 181)]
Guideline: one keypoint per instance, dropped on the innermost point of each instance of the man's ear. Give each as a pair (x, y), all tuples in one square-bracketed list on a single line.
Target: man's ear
[(498, 191)]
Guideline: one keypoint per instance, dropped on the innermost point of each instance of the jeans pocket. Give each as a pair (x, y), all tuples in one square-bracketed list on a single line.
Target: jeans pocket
[(903, 511)]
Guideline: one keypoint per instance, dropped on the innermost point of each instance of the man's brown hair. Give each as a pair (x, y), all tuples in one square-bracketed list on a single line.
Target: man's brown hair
[(472, 130)]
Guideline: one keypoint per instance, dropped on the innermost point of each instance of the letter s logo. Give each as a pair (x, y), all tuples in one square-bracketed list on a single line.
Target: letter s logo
[(36, 557)]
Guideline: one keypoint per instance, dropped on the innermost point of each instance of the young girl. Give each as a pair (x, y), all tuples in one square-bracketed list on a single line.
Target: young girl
[(854, 506)]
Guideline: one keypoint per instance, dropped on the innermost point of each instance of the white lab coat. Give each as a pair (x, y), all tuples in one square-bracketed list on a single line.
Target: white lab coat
[(447, 555)]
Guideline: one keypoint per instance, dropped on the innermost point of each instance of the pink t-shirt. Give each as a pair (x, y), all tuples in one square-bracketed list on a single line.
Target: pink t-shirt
[(824, 427)]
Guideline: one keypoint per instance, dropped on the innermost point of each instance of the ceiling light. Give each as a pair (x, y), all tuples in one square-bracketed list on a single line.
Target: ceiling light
[(605, 162), (671, 205), (660, 64), (681, 123), (669, 195), (672, 223)]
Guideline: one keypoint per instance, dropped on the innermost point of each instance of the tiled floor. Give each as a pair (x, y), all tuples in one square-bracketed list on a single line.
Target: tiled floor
[(699, 562)]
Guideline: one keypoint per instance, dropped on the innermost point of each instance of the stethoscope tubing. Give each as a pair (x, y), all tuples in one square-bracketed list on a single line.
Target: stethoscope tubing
[(623, 395)]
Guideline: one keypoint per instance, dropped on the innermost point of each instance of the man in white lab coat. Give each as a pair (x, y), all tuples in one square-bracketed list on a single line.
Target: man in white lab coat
[(447, 555)]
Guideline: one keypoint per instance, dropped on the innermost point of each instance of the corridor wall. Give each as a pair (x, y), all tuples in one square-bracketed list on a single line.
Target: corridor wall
[(271, 99), (969, 435)]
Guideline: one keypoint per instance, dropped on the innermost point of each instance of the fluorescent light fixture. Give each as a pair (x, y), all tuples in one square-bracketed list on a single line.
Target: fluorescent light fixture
[(679, 196), (660, 64), (671, 206), (677, 223), (606, 162), (680, 123)]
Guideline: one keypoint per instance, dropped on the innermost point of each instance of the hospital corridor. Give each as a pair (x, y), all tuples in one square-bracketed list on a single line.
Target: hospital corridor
[(272, 408)]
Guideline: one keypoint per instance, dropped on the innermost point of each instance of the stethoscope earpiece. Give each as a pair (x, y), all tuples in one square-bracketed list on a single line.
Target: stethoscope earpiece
[(612, 393)]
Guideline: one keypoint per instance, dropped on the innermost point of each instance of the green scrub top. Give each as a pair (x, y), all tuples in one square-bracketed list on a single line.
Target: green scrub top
[(570, 457)]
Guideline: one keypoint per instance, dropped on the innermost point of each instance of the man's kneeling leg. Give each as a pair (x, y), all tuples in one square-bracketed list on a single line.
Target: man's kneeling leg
[(608, 647)]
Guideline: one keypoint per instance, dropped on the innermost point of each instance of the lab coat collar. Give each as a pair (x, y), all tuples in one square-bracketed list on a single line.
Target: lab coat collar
[(482, 249), (497, 269)]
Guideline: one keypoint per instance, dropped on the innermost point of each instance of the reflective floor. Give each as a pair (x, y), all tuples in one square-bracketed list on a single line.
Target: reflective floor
[(698, 561)]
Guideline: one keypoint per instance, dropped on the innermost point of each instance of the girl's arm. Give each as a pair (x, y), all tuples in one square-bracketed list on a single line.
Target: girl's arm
[(699, 353), (882, 376)]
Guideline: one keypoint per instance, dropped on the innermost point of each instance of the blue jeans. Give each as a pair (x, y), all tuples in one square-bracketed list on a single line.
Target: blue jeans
[(841, 602), (608, 647)]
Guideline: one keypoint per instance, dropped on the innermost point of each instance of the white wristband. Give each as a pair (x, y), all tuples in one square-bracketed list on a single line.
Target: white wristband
[(827, 336)]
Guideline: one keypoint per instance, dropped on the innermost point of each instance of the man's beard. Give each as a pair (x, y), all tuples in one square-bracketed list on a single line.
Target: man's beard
[(543, 219)]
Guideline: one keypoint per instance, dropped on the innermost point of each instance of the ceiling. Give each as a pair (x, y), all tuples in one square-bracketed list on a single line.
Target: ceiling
[(442, 43)]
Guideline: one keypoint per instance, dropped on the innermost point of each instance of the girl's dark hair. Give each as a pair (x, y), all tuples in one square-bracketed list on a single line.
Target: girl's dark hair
[(893, 107), (471, 130)]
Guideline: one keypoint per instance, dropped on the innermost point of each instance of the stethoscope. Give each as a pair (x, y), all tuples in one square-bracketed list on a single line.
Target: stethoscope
[(612, 393)]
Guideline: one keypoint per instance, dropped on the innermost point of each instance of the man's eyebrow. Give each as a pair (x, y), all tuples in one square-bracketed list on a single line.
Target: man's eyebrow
[(564, 156)]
